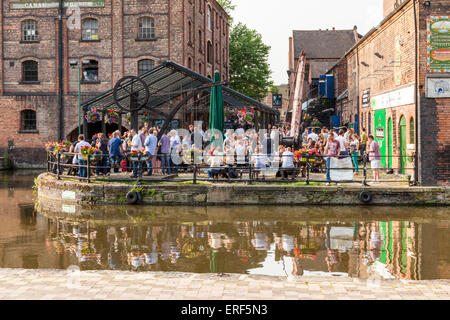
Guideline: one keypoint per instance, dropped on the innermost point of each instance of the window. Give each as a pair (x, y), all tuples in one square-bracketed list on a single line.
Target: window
[(30, 30), (28, 120), (217, 20), (29, 71), (217, 52), (146, 28), (411, 130), (200, 9), (89, 30), (90, 71), (190, 32), (200, 42), (145, 65), (190, 63), (209, 52), (209, 18), (200, 67)]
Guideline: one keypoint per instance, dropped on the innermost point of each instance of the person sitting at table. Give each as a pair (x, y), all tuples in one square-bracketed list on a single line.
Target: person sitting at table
[(259, 161), (240, 152), (215, 160), (287, 166)]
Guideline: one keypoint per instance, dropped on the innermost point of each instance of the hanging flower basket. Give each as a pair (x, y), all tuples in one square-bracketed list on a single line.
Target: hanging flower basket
[(146, 118), (87, 151), (112, 117), (93, 116)]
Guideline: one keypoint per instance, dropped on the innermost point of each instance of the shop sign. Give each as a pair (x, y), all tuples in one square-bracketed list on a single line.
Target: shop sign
[(379, 133), (52, 5), (438, 87), (399, 97), (366, 98), (438, 43)]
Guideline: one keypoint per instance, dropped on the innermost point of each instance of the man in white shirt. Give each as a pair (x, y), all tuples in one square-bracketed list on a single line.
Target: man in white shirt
[(287, 163), (136, 145), (82, 169), (150, 147), (313, 135)]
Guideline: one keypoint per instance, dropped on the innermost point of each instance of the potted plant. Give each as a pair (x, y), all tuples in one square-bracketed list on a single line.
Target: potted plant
[(87, 151), (92, 115), (146, 118), (112, 116)]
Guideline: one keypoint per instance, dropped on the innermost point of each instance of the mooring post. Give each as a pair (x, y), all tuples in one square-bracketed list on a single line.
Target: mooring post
[(58, 165), (88, 168), (195, 174)]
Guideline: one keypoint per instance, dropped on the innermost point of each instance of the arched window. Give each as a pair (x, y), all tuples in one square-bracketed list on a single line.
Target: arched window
[(28, 120), (200, 67), (190, 63), (89, 71), (30, 30), (209, 18), (411, 131), (145, 65), (190, 32), (29, 71), (146, 27), (209, 52)]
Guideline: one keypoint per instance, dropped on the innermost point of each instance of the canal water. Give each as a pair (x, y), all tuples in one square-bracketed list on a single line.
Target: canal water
[(362, 242)]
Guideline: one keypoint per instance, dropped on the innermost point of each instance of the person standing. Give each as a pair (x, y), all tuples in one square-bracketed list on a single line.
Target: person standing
[(136, 145), (115, 150), (374, 158), (363, 141), (174, 143), (150, 147), (82, 170), (102, 164), (354, 150), (313, 135), (331, 150), (164, 144), (305, 135), (343, 143)]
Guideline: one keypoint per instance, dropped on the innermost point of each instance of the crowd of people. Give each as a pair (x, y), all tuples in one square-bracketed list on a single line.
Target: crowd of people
[(169, 151)]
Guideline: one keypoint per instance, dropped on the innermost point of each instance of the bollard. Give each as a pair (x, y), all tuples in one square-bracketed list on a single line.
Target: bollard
[(88, 168), (58, 165), (195, 174)]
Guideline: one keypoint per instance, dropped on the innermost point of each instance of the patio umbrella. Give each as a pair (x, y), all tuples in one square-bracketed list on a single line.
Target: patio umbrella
[(216, 113)]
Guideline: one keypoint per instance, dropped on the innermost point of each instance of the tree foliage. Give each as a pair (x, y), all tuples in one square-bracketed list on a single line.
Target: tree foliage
[(249, 67), (227, 5)]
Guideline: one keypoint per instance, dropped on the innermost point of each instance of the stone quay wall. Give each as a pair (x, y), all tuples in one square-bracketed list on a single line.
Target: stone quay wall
[(73, 192)]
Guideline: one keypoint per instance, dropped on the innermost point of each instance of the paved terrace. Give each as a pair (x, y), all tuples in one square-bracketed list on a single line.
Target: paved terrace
[(59, 284)]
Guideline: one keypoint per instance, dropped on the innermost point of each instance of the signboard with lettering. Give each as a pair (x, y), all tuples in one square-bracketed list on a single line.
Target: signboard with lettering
[(438, 87), (366, 98), (52, 5), (277, 100), (438, 40), (399, 97), (379, 133)]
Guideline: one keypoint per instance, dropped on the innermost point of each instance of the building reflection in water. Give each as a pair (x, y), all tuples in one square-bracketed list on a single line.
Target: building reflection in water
[(360, 249)]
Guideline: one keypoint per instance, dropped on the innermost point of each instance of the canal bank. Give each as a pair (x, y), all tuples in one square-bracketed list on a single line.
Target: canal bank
[(73, 192)]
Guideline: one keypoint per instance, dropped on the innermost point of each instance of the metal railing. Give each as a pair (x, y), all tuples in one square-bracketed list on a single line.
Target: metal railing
[(303, 171)]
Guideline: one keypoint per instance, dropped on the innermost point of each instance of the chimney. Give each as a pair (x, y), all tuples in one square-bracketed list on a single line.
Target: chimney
[(355, 33), (291, 54)]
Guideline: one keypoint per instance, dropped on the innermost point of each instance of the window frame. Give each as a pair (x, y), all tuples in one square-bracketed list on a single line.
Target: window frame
[(140, 62), (24, 128), (24, 66), (209, 53), (93, 37), (83, 65), (141, 28), (36, 30)]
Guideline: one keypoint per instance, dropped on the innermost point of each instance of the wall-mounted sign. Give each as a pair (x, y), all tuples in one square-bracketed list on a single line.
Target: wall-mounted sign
[(438, 87), (379, 133), (52, 5), (438, 40), (68, 195), (399, 97), (366, 98), (277, 100)]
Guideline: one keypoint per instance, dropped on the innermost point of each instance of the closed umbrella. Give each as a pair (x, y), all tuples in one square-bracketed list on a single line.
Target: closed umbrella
[(216, 113)]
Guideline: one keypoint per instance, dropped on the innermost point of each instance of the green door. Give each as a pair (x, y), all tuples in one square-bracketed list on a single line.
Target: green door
[(389, 144), (380, 133), (402, 145)]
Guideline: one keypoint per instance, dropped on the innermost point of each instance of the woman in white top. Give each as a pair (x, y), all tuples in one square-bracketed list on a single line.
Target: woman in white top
[(259, 160), (240, 153)]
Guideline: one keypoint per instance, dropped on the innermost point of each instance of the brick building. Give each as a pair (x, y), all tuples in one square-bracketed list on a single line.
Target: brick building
[(390, 83), (323, 48), (280, 102), (108, 39)]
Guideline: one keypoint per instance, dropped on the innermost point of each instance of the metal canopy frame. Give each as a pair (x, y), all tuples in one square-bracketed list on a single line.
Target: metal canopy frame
[(165, 82)]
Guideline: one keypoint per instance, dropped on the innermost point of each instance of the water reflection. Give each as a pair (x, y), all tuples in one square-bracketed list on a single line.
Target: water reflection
[(402, 243)]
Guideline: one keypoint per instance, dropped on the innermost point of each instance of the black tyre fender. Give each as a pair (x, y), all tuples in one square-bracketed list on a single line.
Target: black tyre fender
[(365, 196), (132, 197)]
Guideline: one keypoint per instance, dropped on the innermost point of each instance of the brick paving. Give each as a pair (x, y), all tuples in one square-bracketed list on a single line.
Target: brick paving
[(48, 284)]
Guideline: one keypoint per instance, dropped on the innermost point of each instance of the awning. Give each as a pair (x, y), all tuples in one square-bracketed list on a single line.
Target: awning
[(343, 95), (170, 80)]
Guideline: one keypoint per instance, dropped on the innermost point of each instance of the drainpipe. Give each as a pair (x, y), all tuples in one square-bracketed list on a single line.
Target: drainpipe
[(60, 72), (417, 105)]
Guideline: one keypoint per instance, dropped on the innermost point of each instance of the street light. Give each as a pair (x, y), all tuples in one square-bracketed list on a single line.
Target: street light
[(74, 64)]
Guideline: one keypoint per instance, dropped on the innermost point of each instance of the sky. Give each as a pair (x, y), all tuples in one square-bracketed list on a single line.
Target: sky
[(275, 20)]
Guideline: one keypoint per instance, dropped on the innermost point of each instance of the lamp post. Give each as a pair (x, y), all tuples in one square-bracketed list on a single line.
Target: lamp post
[(73, 64)]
